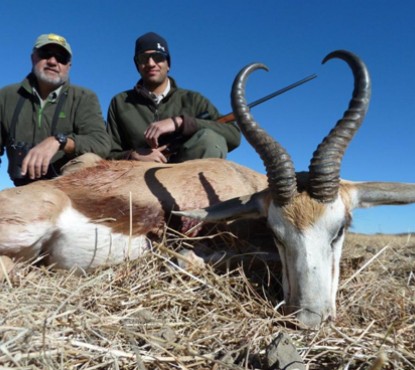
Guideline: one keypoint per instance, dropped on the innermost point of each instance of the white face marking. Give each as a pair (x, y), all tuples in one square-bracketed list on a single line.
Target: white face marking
[(75, 241), (311, 259)]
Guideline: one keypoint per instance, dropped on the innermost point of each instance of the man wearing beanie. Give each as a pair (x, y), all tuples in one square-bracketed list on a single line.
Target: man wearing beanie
[(45, 121), (159, 122)]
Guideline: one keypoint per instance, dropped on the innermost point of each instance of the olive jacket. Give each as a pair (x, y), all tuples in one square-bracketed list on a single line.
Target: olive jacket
[(131, 112), (80, 118)]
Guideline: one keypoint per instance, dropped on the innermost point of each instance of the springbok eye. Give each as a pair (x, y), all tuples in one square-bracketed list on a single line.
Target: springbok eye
[(338, 235), (277, 240)]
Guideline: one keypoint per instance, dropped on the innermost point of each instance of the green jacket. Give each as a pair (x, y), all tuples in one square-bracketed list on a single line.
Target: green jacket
[(131, 112), (80, 119)]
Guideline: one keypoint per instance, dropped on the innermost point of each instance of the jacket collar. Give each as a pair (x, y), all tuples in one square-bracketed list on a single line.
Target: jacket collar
[(139, 88)]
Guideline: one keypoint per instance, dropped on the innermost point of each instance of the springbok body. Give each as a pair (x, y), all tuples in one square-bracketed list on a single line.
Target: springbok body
[(308, 212), (106, 213)]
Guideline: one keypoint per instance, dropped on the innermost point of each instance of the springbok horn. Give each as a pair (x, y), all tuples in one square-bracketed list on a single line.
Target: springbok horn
[(279, 166), (325, 164)]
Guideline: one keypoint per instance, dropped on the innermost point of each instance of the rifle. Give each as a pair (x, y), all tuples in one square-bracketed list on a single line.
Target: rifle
[(230, 116), (176, 141)]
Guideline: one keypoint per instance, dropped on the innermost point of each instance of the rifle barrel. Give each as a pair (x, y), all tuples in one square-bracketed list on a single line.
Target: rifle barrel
[(282, 91), (230, 116)]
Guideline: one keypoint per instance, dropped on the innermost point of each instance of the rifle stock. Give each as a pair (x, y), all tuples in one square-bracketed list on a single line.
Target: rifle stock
[(230, 117)]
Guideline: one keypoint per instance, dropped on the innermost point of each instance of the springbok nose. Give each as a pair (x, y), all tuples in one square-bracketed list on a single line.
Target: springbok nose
[(309, 318)]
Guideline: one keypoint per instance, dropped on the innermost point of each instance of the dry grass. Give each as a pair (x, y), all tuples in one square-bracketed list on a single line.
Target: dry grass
[(151, 314)]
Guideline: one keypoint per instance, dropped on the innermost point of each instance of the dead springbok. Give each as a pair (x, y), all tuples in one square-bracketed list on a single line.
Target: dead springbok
[(308, 212), (110, 212)]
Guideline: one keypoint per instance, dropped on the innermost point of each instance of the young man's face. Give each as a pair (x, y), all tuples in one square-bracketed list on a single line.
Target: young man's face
[(153, 68)]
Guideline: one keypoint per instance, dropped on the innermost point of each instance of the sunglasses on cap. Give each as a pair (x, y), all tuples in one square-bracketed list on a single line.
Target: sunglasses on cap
[(157, 56), (61, 58)]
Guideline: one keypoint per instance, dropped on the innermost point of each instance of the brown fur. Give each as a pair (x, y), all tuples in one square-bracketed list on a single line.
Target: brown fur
[(303, 211), (37, 202), (103, 192)]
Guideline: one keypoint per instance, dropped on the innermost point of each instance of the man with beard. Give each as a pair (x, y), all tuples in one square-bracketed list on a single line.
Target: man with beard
[(45, 121), (159, 122)]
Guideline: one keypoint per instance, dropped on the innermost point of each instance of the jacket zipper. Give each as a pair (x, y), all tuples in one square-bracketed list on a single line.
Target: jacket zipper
[(39, 117)]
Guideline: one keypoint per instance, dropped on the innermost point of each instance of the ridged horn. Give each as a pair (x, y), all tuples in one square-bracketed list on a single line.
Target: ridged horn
[(278, 163), (325, 165)]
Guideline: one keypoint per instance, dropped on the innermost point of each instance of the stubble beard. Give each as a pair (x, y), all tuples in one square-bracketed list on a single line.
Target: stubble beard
[(153, 83)]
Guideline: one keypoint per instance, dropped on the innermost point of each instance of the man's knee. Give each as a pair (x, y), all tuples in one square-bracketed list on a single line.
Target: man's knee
[(214, 145), (204, 143)]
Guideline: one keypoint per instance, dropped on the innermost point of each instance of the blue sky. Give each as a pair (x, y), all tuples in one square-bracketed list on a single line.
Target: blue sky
[(210, 41)]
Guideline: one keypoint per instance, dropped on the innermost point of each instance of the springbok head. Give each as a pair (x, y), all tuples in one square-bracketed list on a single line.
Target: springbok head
[(308, 212)]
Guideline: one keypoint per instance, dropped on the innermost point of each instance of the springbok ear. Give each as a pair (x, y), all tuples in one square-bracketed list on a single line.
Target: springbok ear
[(371, 194), (249, 206)]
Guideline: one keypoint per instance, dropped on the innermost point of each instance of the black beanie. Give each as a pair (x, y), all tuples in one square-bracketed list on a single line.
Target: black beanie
[(152, 41)]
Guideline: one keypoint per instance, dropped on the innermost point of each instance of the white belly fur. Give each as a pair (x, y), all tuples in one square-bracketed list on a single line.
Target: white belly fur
[(79, 242)]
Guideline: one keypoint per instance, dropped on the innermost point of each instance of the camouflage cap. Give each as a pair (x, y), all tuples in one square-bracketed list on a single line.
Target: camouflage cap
[(52, 38)]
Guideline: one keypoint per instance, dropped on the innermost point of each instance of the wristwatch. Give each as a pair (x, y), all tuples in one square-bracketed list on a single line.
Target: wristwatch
[(62, 139)]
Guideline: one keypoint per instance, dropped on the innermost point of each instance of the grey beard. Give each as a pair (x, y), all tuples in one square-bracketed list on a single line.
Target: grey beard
[(53, 81)]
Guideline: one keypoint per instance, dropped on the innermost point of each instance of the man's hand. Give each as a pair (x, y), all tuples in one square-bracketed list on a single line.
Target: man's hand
[(37, 160), (159, 128), (149, 155)]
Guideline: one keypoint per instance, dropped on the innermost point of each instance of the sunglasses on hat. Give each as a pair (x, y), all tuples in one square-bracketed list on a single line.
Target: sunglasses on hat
[(157, 56), (61, 58)]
